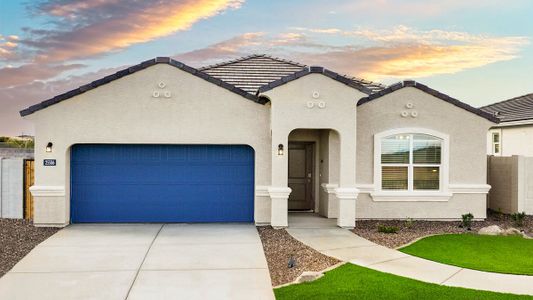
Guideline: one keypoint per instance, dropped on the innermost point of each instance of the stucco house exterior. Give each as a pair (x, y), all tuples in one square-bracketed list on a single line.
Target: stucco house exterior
[(250, 140), (514, 133)]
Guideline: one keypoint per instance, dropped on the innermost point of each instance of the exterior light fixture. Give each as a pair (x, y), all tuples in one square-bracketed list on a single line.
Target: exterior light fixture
[(280, 149), (49, 147)]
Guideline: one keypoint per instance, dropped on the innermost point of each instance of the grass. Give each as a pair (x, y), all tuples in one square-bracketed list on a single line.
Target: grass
[(354, 282), (500, 254)]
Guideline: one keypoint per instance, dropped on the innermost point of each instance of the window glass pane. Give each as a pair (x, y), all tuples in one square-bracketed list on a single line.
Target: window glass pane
[(395, 149), (495, 137), (394, 178), (426, 149), (426, 178), (496, 148)]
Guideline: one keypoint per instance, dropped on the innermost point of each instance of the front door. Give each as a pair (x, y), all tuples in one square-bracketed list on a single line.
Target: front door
[(301, 176)]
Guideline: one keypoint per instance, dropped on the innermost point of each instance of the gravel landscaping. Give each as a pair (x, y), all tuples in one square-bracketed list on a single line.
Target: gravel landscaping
[(18, 238), (279, 247), (413, 230)]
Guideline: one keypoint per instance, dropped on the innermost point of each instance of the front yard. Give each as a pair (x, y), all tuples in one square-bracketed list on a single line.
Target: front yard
[(500, 254), (355, 282)]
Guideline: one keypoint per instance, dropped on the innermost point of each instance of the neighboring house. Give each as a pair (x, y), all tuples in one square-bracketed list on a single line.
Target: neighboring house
[(251, 139), (514, 134)]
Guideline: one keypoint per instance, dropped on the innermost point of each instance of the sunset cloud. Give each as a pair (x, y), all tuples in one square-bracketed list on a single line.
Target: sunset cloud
[(85, 29), (13, 76), (8, 47), (399, 52), (90, 28)]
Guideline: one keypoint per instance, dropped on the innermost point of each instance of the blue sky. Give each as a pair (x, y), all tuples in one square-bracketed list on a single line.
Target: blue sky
[(479, 51)]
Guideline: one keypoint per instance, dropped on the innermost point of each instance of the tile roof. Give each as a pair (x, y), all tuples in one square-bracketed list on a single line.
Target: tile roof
[(435, 93), (260, 72), (512, 110)]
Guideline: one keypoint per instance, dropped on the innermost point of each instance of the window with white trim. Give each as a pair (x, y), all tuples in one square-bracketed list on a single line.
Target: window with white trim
[(496, 144), (411, 162)]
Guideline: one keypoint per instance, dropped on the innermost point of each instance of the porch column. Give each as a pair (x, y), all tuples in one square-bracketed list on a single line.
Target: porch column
[(279, 214), (347, 192), (346, 200)]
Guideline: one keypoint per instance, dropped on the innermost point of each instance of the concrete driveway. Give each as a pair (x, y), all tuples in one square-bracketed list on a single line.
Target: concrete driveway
[(143, 261)]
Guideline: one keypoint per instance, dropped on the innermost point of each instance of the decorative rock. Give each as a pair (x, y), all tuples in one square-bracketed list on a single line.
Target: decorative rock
[(490, 230), (511, 231), (309, 276)]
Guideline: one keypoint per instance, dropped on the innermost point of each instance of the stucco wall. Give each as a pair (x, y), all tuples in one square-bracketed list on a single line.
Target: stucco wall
[(290, 111), (515, 140), (511, 178), (124, 111), (467, 147)]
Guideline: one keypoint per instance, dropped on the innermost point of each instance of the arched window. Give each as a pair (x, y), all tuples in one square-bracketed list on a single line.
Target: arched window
[(411, 162)]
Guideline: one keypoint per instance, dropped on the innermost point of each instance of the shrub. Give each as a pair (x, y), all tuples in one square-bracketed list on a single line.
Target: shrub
[(467, 221), (518, 218), (387, 229), (409, 223)]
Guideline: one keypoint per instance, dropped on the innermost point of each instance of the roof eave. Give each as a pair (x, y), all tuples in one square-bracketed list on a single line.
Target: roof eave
[(133, 69), (433, 92), (314, 70)]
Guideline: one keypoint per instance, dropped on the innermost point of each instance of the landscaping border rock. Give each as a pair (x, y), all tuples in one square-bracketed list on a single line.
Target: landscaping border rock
[(411, 230), (280, 246), (18, 238)]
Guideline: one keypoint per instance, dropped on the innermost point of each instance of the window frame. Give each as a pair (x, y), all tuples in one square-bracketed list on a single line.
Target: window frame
[(442, 194), (499, 143)]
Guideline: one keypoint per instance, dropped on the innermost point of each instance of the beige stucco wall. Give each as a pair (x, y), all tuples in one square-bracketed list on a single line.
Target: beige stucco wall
[(511, 178), (290, 111), (514, 140), (124, 111), (332, 107), (467, 160)]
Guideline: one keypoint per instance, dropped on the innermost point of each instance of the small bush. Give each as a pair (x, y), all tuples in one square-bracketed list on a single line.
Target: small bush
[(387, 229), (409, 223), (518, 218), (467, 221)]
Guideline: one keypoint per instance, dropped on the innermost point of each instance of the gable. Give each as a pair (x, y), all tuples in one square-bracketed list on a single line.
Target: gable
[(413, 84), (134, 69)]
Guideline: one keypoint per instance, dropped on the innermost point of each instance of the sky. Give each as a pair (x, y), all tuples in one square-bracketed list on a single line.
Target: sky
[(478, 51)]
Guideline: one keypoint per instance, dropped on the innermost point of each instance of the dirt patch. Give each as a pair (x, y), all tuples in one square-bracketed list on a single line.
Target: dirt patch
[(279, 247), (18, 238), (410, 231)]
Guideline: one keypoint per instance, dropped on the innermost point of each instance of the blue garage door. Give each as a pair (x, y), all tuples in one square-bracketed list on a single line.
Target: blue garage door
[(162, 183)]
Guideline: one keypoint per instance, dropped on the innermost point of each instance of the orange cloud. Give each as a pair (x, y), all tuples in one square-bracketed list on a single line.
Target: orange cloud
[(127, 25), (400, 52)]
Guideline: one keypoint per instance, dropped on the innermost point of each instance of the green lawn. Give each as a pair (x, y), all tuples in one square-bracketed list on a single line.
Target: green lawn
[(354, 282), (501, 254)]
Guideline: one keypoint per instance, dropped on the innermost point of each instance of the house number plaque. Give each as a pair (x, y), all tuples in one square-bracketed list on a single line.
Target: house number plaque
[(49, 162)]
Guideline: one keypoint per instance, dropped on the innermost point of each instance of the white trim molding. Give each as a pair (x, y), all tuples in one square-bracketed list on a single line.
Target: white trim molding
[(329, 187), (365, 188), (47, 191), (261, 191), (382, 196), (347, 193), (443, 194), (279, 192), (470, 188)]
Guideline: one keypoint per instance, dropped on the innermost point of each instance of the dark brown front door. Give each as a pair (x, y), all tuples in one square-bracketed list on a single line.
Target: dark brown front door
[(301, 176)]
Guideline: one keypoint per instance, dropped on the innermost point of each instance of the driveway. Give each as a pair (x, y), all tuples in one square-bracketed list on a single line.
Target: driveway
[(143, 261)]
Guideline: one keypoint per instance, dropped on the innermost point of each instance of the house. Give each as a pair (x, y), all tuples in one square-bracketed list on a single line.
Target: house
[(250, 140), (508, 137)]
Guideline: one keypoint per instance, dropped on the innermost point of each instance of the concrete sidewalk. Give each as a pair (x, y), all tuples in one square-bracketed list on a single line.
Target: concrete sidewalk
[(144, 261), (323, 235)]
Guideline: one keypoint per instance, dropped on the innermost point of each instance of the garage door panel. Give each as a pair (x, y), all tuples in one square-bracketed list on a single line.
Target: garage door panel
[(169, 183)]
